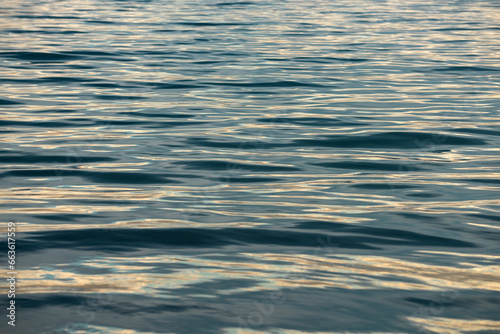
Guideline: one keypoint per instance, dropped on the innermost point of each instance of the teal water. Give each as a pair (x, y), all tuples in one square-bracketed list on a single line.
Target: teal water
[(213, 166)]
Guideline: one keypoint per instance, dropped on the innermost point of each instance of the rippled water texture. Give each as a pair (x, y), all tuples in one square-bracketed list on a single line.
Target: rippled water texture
[(221, 166)]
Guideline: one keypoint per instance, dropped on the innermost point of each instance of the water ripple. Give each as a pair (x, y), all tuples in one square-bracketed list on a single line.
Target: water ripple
[(252, 166)]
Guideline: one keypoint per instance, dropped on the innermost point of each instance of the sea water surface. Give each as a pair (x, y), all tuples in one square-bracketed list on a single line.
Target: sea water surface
[(222, 166)]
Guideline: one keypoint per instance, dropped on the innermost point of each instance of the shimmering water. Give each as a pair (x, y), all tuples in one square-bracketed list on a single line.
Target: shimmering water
[(220, 166)]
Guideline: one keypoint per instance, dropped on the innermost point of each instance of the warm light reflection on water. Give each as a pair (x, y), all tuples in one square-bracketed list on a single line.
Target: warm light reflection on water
[(187, 159), (274, 271)]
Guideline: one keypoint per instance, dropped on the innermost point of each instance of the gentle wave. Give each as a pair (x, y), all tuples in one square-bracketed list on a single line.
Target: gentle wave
[(252, 166)]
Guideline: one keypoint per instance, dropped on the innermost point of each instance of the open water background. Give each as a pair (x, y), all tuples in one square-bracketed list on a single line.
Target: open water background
[(220, 166)]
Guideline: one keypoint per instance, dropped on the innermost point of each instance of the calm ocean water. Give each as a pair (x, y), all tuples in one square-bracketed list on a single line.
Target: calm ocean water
[(220, 166)]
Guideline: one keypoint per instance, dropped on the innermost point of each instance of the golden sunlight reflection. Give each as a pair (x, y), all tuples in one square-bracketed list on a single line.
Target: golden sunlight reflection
[(69, 209), (483, 256), (207, 201), (285, 331), (455, 326), (484, 225), (291, 331), (371, 124), (132, 224), (89, 328), (139, 275)]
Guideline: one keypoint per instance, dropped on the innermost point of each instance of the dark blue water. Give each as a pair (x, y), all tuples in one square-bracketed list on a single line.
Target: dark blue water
[(214, 166)]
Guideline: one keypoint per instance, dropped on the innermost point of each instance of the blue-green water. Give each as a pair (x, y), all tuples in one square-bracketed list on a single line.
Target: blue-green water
[(213, 166)]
